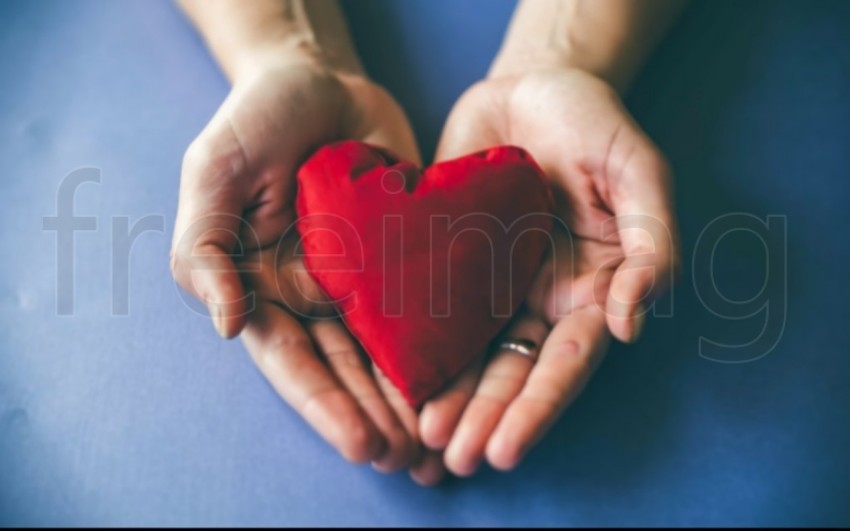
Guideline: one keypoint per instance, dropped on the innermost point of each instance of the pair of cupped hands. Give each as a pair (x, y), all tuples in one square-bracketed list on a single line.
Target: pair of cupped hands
[(615, 250)]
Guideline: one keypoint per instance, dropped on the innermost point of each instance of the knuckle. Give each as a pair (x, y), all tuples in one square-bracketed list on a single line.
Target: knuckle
[(344, 358), (283, 343), (492, 398), (548, 401), (271, 354)]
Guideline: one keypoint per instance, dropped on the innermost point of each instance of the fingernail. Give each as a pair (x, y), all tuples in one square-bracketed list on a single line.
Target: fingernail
[(218, 321), (637, 322)]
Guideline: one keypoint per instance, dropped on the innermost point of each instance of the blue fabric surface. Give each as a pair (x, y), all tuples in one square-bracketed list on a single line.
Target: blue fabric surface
[(131, 410)]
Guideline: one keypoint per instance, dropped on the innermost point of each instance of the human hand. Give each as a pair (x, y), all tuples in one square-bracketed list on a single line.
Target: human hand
[(238, 180), (617, 251), (236, 198), (297, 340)]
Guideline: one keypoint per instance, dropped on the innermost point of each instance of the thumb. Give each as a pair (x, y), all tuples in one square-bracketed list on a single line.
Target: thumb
[(645, 223), (206, 234), (466, 130)]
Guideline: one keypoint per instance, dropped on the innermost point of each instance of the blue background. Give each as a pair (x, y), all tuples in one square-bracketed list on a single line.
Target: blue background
[(149, 418)]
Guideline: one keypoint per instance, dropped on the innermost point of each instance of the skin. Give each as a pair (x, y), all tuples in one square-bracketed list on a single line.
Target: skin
[(554, 90), (600, 163), (296, 86)]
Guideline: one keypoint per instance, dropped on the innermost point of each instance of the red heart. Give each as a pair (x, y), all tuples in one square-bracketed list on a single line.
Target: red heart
[(419, 264)]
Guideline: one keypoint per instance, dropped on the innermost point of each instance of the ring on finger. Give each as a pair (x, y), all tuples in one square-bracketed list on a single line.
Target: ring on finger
[(519, 345)]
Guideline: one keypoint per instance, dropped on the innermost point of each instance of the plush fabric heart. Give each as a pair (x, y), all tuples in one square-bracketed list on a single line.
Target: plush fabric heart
[(425, 267)]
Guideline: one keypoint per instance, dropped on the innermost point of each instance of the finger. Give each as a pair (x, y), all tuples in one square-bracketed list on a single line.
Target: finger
[(427, 467), (440, 415), (569, 355), (429, 470), (284, 353), (346, 362), (461, 135), (206, 232), (645, 224), (502, 380)]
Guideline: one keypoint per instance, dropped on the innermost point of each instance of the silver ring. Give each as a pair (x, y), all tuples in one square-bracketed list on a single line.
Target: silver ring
[(525, 347)]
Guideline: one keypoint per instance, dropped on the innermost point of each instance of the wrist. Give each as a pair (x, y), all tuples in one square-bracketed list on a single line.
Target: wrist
[(294, 49), (601, 38), (516, 59), (247, 36), (608, 39)]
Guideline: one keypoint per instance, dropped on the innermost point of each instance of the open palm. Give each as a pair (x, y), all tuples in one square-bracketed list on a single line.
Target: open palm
[(615, 250), (235, 208)]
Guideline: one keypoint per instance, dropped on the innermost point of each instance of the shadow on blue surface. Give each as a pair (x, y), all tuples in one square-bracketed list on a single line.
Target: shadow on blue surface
[(151, 419), (745, 98)]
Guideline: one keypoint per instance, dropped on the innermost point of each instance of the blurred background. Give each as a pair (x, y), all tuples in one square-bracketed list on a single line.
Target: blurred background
[(120, 405)]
